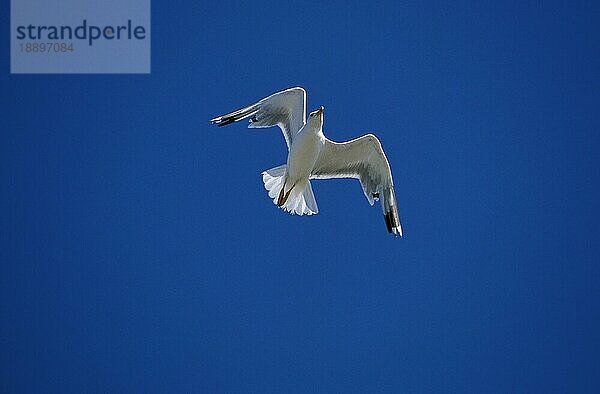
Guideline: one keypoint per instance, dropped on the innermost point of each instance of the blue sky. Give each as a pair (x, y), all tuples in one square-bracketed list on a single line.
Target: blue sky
[(140, 252)]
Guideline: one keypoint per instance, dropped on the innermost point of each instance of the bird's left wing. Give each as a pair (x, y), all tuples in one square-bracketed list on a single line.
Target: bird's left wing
[(362, 158), (286, 109)]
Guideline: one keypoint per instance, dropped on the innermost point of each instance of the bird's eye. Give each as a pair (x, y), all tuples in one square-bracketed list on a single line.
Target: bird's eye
[(312, 114)]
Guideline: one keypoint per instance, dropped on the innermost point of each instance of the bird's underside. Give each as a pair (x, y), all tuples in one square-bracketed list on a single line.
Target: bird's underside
[(318, 157)]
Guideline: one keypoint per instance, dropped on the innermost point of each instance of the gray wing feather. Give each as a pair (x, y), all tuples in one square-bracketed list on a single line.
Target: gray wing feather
[(363, 159), (286, 109)]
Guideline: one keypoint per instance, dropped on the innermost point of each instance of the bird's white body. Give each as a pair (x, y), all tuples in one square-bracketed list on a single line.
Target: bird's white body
[(303, 154), (312, 156)]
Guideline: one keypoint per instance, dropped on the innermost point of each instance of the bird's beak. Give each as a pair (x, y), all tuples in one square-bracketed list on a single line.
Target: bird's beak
[(320, 110)]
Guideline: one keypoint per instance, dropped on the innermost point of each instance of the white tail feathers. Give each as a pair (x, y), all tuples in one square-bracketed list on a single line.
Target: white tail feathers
[(301, 200)]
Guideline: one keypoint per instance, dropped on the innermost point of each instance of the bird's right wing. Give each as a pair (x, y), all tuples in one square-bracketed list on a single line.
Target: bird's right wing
[(286, 109), (362, 158)]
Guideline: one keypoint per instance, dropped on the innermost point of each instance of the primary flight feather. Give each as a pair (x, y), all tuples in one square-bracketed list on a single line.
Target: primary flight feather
[(311, 155)]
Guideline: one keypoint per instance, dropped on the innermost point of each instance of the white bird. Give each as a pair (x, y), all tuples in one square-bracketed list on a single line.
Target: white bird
[(311, 155)]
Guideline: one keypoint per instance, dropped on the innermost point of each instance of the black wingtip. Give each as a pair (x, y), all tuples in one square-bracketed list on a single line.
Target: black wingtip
[(225, 122), (388, 221)]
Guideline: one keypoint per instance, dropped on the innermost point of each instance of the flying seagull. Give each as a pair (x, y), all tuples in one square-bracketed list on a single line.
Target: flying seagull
[(311, 155)]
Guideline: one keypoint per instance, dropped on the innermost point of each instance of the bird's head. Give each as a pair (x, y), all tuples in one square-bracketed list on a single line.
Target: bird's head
[(315, 119)]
